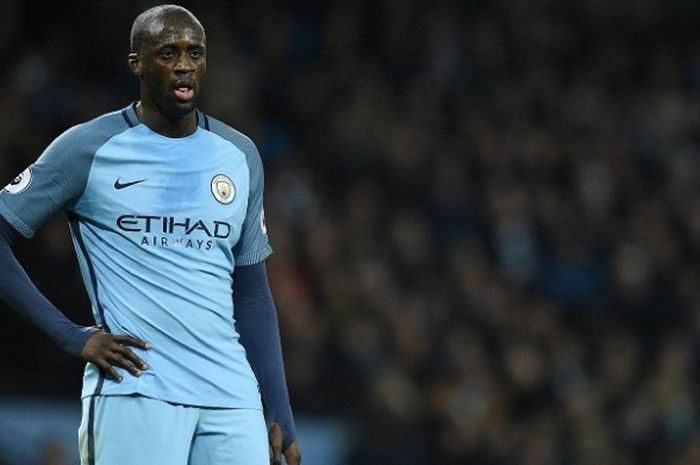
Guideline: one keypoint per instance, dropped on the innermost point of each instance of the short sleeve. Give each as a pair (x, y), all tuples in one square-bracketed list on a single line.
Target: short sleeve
[(48, 185), (58, 178), (253, 245)]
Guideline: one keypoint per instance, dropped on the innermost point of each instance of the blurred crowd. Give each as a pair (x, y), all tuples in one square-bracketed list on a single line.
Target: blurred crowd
[(486, 214)]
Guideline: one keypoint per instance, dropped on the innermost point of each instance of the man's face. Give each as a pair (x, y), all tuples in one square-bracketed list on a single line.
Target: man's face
[(172, 67)]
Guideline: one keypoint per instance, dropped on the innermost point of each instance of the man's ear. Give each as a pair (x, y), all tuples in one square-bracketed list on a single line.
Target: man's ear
[(135, 63)]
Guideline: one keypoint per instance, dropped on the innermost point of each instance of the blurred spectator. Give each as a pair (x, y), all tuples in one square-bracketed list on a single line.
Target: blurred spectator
[(53, 453)]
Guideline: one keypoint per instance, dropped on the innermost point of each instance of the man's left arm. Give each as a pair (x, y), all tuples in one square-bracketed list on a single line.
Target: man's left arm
[(257, 325)]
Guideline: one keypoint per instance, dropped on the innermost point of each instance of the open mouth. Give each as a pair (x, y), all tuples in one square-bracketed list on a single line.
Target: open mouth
[(184, 93)]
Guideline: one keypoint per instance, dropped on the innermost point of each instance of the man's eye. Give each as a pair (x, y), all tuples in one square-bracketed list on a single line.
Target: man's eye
[(167, 54), (195, 53)]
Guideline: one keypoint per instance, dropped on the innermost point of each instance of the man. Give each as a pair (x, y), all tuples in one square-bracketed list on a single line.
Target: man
[(165, 210)]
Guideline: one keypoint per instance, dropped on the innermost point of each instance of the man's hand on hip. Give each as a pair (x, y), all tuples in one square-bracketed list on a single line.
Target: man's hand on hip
[(108, 351)]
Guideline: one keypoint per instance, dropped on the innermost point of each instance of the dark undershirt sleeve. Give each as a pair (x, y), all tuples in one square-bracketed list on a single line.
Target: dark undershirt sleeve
[(256, 322), (22, 296)]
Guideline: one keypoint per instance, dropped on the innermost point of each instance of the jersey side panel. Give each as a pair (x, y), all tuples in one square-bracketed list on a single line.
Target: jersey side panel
[(254, 245)]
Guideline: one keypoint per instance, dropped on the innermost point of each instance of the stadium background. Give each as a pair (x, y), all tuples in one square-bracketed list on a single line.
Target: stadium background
[(486, 217)]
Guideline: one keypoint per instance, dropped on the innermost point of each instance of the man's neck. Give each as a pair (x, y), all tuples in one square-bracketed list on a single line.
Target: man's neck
[(175, 127)]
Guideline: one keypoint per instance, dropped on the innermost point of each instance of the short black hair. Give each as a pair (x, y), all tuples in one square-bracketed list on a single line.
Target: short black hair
[(150, 21)]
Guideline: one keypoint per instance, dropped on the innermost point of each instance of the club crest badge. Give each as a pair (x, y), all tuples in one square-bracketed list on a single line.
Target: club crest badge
[(223, 189), (20, 183)]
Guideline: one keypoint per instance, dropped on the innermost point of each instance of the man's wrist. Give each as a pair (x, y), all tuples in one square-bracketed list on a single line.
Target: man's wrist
[(288, 427), (74, 338)]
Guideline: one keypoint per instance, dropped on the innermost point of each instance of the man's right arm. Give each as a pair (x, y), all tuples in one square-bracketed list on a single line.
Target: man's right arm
[(21, 295), (56, 181), (17, 289)]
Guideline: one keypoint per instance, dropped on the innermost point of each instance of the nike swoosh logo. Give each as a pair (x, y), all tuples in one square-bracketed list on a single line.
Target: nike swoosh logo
[(118, 185)]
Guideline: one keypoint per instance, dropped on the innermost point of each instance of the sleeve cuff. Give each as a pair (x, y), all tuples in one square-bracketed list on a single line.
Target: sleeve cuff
[(253, 258), (23, 228)]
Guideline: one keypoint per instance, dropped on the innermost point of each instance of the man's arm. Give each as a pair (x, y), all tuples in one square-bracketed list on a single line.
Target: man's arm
[(256, 322), (89, 343)]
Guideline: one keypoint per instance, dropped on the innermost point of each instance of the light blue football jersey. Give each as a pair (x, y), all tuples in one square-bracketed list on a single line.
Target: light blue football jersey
[(158, 225)]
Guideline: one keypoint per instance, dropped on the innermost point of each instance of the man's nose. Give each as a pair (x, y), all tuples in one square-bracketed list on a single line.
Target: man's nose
[(184, 64)]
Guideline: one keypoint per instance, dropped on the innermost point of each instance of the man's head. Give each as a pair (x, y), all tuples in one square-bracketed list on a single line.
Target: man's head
[(168, 53)]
